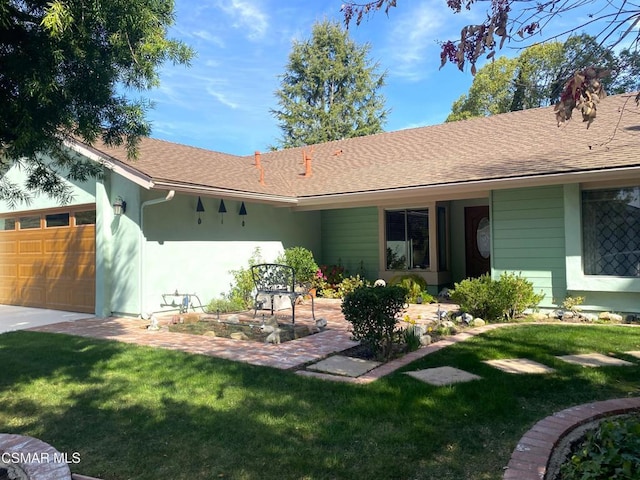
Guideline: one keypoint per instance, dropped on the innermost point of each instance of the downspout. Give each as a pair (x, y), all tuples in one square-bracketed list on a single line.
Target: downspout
[(143, 240)]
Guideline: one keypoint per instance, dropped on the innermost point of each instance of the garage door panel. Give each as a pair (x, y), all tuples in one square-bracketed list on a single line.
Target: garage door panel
[(8, 247), (49, 267), (30, 247)]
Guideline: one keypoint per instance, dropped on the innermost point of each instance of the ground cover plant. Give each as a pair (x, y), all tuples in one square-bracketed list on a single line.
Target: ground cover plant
[(141, 413)]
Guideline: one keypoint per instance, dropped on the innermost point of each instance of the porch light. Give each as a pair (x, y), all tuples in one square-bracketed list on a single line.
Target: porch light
[(199, 209), (242, 212), (119, 206), (222, 210)]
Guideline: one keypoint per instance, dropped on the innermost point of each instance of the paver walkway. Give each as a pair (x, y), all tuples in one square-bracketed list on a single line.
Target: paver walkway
[(288, 355)]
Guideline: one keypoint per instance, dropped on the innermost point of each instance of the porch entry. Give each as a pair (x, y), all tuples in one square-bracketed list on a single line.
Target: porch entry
[(477, 233)]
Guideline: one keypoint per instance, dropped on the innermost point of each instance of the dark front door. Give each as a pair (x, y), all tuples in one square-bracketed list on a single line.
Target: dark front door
[(477, 233)]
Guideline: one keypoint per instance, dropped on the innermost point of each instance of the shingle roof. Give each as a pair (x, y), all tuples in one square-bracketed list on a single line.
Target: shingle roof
[(516, 144)]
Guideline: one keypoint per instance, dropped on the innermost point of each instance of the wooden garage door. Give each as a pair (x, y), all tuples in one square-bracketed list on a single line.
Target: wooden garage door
[(47, 260)]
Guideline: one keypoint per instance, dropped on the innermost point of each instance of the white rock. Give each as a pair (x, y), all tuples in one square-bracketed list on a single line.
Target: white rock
[(425, 340), (478, 322)]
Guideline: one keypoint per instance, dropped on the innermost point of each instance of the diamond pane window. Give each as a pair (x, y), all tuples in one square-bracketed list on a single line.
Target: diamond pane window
[(611, 232)]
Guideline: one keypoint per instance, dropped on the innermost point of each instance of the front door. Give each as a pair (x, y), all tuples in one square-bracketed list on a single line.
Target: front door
[(477, 240)]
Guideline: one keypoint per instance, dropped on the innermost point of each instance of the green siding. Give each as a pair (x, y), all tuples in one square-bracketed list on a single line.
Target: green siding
[(528, 237), (350, 236)]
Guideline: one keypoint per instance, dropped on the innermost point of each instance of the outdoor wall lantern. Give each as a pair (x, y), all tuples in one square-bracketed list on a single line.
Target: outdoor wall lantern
[(242, 212), (222, 210), (199, 209), (119, 206)]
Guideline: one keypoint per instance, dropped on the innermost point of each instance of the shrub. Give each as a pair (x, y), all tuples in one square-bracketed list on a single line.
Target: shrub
[(610, 451), (242, 287), (373, 314), (349, 284), (302, 261), (225, 305), (501, 299), (416, 287)]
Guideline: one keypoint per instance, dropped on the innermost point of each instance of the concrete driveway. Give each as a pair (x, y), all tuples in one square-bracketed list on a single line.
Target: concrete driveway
[(19, 318)]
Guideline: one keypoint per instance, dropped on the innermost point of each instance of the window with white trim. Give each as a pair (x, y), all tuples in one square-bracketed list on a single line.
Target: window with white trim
[(611, 232)]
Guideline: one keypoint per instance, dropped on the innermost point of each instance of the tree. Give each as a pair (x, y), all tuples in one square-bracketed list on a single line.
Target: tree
[(329, 90), (535, 78), (520, 20), (64, 65)]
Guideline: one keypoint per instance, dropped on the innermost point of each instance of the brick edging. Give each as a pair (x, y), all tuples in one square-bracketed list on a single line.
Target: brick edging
[(531, 456)]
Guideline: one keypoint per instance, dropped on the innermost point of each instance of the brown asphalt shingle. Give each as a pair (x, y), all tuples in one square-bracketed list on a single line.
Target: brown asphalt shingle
[(525, 143)]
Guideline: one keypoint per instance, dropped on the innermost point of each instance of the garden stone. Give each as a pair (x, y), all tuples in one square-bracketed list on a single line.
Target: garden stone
[(233, 319), (425, 340), (238, 336), (539, 316), (321, 323), (568, 315), (209, 333), (614, 317), (631, 318), (467, 318), (379, 283), (555, 314), (445, 293), (418, 330), (478, 322), (589, 317), (448, 324)]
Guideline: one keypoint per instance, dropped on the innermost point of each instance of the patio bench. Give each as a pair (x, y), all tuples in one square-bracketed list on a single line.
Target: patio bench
[(273, 280)]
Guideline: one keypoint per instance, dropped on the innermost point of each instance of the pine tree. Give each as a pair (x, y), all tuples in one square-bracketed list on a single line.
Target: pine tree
[(329, 90)]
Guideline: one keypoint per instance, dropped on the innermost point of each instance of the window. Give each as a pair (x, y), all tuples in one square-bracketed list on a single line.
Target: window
[(611, 232), (29, 222), (7, 223), (407, 242), (57, 220), (86, 218)]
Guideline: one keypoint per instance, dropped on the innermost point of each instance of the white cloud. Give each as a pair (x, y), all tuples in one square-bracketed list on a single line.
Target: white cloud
[(222, 97), (207, 37), (246, 15)]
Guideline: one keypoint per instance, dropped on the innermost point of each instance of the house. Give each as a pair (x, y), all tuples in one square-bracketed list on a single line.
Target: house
[(512, 192)]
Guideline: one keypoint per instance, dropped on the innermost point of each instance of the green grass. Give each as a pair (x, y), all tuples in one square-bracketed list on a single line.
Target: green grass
[(142, 413)]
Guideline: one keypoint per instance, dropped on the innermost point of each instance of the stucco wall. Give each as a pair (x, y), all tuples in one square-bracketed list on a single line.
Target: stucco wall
[(528, 236), (82, 193), (350, 236), (180, 254)]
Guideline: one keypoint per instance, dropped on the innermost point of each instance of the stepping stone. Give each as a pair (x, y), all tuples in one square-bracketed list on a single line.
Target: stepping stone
[(519, 366), (345, 366), (595, 360), (634, 353), (443, 376)]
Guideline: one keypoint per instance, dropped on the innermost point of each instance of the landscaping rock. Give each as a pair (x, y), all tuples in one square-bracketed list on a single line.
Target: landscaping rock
[(321, 323), (233, 319), (632, 318), (238, 336), (467, 318), (478, 322), (209, 333), (425, 340), (418, 330), (612, 317), (556, 314), (589, 317), (539, 316), (568, 315)]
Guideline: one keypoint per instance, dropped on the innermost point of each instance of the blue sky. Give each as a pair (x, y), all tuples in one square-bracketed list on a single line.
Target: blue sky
[(223, 101)]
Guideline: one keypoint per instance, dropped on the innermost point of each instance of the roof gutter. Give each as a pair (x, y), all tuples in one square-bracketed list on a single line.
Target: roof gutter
[(226, 193), (456, 190)]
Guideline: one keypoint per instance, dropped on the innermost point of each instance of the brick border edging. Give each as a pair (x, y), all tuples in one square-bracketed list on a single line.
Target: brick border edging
[(531, 456)]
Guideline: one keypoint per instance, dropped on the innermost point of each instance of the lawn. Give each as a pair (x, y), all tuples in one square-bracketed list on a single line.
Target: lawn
[(141, 413)]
